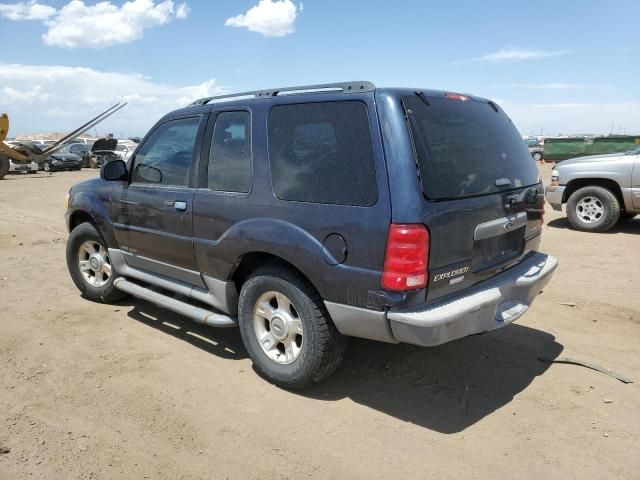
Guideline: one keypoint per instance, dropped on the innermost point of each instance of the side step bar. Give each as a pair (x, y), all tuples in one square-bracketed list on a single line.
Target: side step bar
[(198, 314)]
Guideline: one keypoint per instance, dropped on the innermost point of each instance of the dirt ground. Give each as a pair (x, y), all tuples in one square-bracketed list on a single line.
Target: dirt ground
[(129, 391)]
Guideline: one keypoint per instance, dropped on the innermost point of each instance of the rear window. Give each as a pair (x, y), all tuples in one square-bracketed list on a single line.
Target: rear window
[(322, 153), (466, 148)]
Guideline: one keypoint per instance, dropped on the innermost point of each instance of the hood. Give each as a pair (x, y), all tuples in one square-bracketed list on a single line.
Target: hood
[(104, 144), (592, 159)]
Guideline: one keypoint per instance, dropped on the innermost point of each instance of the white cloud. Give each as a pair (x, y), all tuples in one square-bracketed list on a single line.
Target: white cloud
[(61, 98), (26, 11), (182, 11), (272, 18), (557, 86), (514, 54), (78, 25)]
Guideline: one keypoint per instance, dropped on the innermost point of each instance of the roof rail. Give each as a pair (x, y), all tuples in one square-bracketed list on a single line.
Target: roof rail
[(345, 87)]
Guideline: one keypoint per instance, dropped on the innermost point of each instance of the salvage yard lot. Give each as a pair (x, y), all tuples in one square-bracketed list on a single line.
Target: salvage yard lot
[(131, 391)]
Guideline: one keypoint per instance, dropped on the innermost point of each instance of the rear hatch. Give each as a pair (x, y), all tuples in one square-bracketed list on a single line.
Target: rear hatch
[(483, 200)]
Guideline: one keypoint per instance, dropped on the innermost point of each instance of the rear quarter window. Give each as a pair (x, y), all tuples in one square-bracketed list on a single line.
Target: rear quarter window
[(322, 153)]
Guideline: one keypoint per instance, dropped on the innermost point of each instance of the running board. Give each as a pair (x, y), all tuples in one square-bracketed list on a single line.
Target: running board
[(200, 315)]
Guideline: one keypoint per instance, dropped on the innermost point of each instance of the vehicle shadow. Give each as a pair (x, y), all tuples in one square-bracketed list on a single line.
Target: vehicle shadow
[(446, 388), (222, 342), (624, 226)]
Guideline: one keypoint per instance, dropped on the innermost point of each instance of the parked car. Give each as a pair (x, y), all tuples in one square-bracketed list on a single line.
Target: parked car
[(338, 210), (536, 148), (22, 167), (83, 150), (63, 159), (599, 190), (124, 151), (102, 151)]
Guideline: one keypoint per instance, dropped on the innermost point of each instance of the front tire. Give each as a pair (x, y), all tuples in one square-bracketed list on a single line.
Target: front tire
[(287, 330), (593, 209), (4, 165), (89, 265), (537, 156)]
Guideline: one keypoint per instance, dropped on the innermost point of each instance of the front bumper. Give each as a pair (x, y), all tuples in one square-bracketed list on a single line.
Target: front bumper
[(488, 306), (554, 196), (64, 167)]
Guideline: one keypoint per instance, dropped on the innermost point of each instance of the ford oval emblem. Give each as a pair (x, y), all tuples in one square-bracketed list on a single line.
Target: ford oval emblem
[(508, 226)]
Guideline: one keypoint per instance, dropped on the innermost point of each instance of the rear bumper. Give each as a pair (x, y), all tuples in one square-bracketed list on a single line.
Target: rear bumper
[(554, 196), (497, 303), (488, 306)]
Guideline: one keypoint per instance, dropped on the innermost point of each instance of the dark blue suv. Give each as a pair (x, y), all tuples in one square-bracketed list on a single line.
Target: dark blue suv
[(306, 215)]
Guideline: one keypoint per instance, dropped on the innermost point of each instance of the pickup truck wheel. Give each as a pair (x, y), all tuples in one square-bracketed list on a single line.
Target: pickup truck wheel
[(593, 209), (89, 265), (537, 156), (286, 329)]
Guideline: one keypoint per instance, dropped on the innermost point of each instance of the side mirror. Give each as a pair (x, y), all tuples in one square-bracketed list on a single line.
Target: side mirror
[(147, 174), (114, 170)]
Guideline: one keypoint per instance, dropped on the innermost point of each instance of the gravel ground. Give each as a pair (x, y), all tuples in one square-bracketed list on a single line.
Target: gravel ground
[(129, 391)]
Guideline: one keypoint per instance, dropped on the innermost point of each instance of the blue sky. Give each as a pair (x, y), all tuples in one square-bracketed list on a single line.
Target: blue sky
[(562, 66)]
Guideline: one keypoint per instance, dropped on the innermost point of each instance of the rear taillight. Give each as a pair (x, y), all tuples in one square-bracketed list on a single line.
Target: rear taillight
[(406, 258)]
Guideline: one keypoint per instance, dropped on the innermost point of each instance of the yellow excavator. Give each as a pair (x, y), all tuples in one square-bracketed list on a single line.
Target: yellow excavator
[(24, 153)]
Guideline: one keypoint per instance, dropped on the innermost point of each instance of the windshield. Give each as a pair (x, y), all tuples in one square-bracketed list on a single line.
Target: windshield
[(466, 148)]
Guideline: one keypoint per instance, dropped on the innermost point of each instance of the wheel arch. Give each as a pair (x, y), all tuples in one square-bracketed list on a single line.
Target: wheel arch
[(80, 216), (251, 261), (607, 183), (87, 207)]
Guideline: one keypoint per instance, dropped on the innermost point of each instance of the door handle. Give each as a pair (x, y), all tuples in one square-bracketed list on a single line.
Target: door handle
[(180, 206)]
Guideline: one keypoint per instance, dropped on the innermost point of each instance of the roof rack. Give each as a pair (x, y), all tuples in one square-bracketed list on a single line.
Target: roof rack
[(345, 87)]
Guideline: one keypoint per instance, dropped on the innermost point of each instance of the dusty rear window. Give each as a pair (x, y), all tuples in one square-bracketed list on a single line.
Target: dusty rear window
[(466, 148)]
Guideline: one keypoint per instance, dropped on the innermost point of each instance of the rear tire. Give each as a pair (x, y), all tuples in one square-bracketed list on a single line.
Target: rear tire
[(84, 243), (537, 156), (287, 330), (593, 209)]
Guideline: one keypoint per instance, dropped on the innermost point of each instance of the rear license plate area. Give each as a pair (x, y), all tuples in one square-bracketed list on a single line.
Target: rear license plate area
[(492, 251)]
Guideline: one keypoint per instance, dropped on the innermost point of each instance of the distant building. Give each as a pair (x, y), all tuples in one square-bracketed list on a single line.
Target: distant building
[(53, 136)]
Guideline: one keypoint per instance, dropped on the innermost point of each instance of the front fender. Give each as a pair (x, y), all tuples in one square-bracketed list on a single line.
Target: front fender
[(89, 204)]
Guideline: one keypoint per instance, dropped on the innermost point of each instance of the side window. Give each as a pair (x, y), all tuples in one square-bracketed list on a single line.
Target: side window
[(166, 157), (322, 153), (230, 154)]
